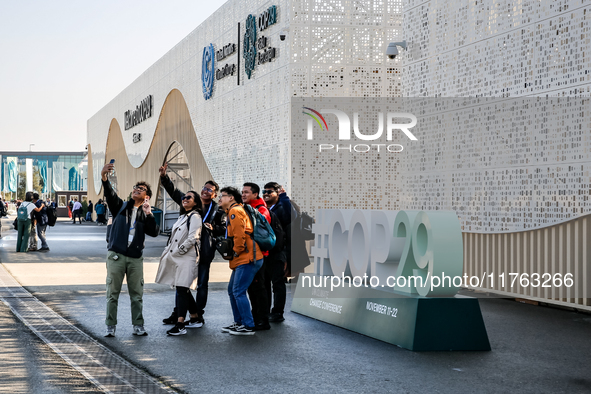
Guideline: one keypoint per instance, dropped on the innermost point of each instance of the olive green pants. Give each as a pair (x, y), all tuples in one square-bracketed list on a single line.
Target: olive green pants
[(22, 239), (118, 268)]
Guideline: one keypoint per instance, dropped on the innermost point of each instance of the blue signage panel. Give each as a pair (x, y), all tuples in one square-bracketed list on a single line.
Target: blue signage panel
[(208, 71)]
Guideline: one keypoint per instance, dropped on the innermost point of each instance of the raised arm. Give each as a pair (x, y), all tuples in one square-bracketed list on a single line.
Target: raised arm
[(175, 194), (113, 201)]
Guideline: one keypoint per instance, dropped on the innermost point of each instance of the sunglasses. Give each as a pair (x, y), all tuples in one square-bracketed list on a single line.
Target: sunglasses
[(140, 188), (207, 189), (268, 191), (186, 197)]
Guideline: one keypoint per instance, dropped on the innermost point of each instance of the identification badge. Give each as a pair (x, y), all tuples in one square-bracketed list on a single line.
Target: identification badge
[(130, 238)]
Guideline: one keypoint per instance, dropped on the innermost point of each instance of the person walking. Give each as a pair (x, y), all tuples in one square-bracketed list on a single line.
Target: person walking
[(77, 211), (179, 263), (23, 217), (132, 221)]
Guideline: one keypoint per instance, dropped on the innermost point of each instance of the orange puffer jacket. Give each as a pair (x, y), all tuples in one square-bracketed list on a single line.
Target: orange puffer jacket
[(240, 228)]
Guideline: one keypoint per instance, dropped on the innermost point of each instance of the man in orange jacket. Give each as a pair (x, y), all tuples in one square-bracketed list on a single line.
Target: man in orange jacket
[(246, 261)]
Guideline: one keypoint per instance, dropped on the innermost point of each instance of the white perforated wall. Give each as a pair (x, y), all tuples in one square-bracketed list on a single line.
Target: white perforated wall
[(500, 169), (333, 48)]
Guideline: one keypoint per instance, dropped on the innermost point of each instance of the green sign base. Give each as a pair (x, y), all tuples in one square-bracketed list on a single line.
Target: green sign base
[(412, 322)]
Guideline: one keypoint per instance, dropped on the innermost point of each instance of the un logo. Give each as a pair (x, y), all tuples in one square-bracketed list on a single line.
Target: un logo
[(250, 50), (207, 71)]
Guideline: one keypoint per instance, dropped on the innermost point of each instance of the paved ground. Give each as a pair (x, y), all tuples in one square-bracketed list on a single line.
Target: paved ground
[(535, 349)]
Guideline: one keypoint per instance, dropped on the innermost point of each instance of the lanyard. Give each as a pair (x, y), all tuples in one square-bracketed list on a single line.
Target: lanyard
[(207, 214), (271, 207)]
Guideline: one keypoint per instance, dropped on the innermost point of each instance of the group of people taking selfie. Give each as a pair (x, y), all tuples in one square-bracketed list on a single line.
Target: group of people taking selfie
[(205, 225)]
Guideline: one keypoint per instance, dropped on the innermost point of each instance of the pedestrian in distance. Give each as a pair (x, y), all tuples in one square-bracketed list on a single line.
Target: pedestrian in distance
[(101, 211), (76, 211), (41, 220), (89, 212), (23, 217), (246, 260), (132, 221), (179, 262)]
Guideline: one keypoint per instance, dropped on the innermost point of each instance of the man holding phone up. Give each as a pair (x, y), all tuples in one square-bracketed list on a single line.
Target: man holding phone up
[(132, 220)]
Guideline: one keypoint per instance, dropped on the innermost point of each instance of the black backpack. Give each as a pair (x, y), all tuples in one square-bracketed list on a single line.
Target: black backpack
[(51, 215), (302, 224), (278, 230)]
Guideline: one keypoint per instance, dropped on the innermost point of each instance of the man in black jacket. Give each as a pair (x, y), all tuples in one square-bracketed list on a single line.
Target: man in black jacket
[(214, 225), (132, 220)]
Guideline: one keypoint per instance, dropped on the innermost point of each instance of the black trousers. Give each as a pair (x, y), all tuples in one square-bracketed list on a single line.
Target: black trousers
[(202, 283), (185, 301), (258, 297), (275, 277)]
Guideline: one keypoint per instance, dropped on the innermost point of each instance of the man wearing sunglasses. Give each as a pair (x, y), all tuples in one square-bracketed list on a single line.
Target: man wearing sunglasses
[(279, 203), (214, 225), (132, 221)]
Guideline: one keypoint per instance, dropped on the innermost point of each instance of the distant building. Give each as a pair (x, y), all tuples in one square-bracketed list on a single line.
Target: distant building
[(58, 170)]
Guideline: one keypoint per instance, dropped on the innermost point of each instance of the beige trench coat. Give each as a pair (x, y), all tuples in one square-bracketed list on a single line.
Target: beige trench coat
[(179, 261)]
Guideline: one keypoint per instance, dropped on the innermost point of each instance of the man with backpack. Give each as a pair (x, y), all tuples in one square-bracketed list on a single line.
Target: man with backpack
[(41, 219), (51, 212), (245, 261), (23, 217), (256, 291)]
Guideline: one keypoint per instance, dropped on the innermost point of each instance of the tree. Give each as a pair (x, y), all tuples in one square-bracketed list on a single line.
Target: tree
[(22, 184)]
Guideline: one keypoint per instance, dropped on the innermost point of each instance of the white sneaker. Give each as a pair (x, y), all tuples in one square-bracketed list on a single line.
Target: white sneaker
[(110, 332), (139, 330), (193, 324)]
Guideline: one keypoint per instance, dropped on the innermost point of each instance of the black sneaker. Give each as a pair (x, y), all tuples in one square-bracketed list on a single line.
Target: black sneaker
[(178, 329), (231, 327), (172, 319), (276, 317), (262, 326), (242, 330)]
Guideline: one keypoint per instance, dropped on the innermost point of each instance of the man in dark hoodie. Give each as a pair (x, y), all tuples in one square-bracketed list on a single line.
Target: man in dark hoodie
[(132, 220), (214, 225)]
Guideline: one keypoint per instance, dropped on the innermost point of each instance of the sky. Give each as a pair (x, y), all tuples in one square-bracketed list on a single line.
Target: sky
[(62, 61)]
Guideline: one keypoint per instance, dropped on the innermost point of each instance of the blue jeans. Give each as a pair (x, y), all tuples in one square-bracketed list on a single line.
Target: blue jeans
[(41, 234), (241, 278)]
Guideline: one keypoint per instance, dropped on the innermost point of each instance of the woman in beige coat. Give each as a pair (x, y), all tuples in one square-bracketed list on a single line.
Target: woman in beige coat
[(180, 259)]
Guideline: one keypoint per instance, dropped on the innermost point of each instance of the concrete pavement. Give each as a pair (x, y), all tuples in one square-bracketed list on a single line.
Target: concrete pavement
[(534, 349)]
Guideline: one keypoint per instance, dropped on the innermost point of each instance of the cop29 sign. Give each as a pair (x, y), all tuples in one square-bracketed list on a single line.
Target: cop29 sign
[(411, 252), (263, 21)]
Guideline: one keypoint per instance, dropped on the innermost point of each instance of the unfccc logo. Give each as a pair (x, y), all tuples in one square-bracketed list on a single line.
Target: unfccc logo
[(207, 71), (345, 130)]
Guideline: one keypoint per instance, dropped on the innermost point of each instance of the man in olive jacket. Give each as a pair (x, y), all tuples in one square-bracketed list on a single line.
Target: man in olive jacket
[(132, 220), (214, 225)]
